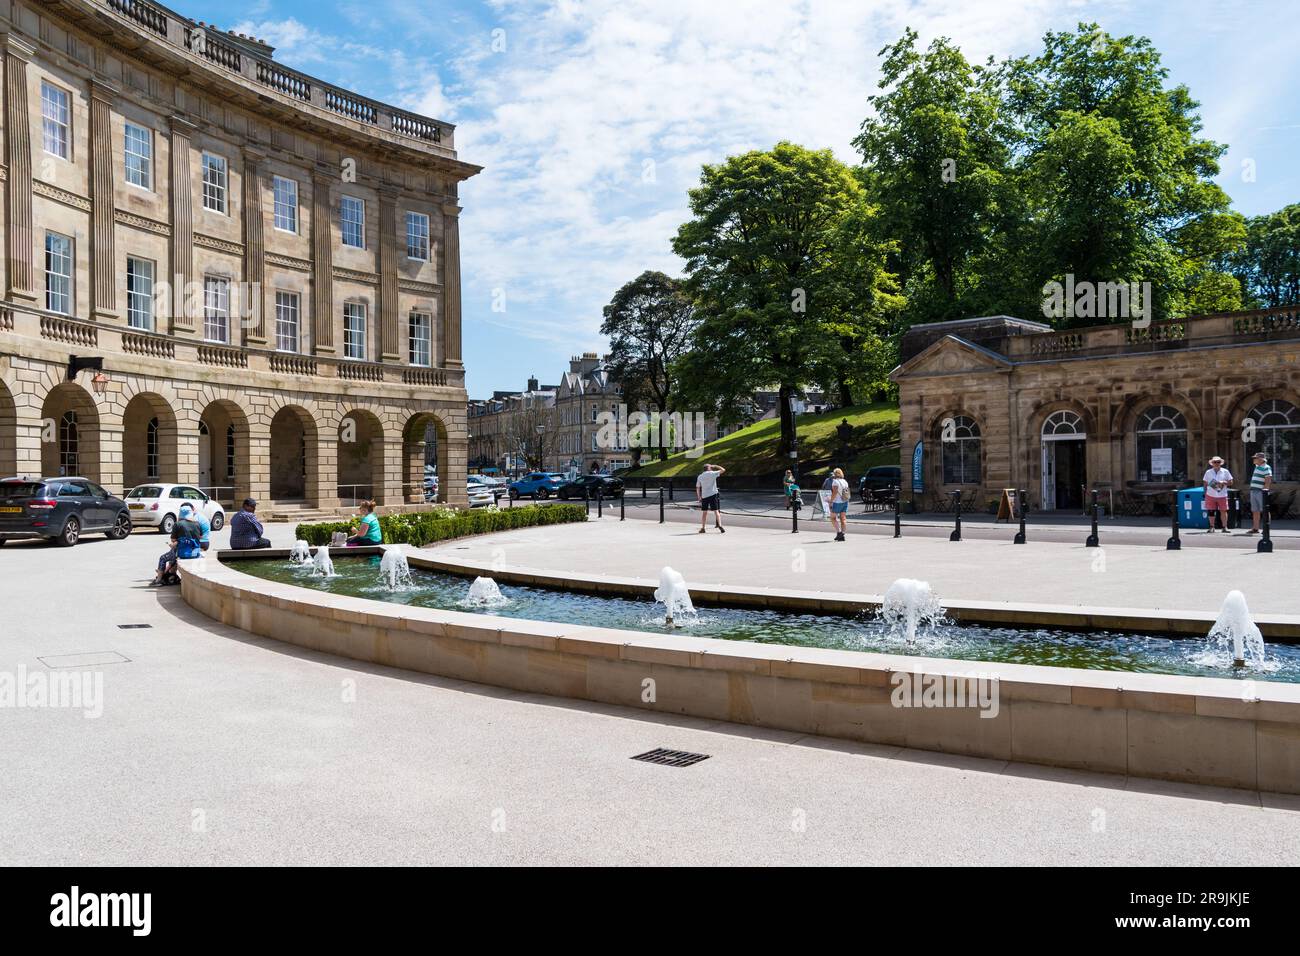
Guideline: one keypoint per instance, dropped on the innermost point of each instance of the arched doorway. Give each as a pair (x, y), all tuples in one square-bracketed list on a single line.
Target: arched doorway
[(148, 441), (223, 452), (1065, 462), (360, 457), (293, 454), (70, 433), (424, 452), (8, 433)]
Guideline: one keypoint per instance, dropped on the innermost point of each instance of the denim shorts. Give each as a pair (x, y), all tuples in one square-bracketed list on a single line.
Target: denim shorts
[(839, 507)]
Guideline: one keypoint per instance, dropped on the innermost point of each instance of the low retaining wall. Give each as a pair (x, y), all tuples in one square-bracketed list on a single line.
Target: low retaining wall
[(1197, 730)]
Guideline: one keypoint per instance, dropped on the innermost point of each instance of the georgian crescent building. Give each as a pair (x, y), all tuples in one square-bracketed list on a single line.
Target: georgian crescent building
[(220, 271), (1133, 413)]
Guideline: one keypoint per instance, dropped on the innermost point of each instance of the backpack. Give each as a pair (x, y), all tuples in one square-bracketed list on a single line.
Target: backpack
[(188, 548)]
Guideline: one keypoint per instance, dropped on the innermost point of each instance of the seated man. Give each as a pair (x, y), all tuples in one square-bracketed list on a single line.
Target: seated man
[(246, 530), (201, 527), (166, 572)]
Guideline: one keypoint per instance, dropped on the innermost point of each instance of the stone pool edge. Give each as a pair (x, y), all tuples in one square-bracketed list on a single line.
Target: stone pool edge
[(1190, 729)]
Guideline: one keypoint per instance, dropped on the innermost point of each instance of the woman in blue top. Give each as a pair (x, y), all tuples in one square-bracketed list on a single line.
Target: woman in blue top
[(367, 530)]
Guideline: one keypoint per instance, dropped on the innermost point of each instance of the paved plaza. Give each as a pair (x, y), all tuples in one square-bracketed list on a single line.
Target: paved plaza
[(217, 747)]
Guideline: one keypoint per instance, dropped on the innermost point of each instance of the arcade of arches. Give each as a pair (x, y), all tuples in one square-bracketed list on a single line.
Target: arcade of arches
[(317, 450)]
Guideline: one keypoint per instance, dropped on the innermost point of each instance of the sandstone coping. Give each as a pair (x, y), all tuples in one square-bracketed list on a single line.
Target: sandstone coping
[(1193, 729)]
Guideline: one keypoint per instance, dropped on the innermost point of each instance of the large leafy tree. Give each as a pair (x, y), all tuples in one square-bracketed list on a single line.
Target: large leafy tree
[(649, 323), (1118, 182), (1268, 264), (936, 155), (764, 254)]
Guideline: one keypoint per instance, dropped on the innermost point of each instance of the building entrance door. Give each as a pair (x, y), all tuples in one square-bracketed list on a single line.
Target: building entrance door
[(1064, 462)]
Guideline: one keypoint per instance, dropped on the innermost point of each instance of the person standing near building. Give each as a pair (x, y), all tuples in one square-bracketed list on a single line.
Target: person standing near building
[(1217, 480), (1261, 480), (706, 493), (839, 489)]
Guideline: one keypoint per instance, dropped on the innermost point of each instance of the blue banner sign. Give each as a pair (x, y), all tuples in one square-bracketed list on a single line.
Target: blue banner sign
[(918, 454)]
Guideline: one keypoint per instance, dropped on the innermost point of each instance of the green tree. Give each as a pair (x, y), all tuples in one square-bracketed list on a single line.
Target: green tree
[(1119, 185), (1268, 263), (764, 259), (649, 323), (936, 155)]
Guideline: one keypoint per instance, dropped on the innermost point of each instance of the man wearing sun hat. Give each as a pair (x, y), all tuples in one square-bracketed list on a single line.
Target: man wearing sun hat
[(1261, 479), (1217, 480)]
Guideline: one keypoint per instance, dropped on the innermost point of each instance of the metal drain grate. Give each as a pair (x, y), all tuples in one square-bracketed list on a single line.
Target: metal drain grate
[(671, 758), (132, 627)]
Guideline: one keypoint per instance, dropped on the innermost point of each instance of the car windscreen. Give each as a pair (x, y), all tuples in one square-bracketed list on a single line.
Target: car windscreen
[(146, 491), (22, 489)]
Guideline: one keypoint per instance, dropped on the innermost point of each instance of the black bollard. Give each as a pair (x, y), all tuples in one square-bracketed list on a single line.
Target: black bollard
[(1093, 540), (1175, 543), (1265, 545), (661, 506), (586, 499), (898, 512), (600, 511), (956, 508), (642, 487), (622, 501), (794, 515), (1022, 503), (670, 489)]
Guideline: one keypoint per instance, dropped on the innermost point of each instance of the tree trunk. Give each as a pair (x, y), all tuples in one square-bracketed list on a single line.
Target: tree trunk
[(784, 394), (846, 394)]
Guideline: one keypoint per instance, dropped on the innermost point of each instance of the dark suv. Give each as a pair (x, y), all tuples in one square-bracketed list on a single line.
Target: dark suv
[(609, 486), (880, 484), (60, 508)]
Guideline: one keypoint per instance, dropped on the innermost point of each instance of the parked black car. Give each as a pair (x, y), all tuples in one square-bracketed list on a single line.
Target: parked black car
[(609, 486), (880, 483), (62, 509)]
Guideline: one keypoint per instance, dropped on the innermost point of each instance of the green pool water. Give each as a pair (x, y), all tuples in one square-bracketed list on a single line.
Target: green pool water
[(360, 577)]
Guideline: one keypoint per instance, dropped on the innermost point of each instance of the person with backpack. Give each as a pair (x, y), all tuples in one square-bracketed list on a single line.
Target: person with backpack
[(166, 571), (839, 503), (195, 519)]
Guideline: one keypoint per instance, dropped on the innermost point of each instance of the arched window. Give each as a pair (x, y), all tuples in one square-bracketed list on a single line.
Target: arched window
[(1161, 444), (68, 444), (1063, 424), (1277, 434), (151, 450), (960, 441)]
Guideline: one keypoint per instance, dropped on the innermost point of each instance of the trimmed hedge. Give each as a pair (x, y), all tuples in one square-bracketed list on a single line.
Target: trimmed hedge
[(442, 524)]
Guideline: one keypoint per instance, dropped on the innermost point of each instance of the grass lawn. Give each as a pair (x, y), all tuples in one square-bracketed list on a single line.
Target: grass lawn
[(753, 450)]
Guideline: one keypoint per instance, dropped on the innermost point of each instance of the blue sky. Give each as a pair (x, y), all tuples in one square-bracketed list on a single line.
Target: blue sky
[(593, 117)]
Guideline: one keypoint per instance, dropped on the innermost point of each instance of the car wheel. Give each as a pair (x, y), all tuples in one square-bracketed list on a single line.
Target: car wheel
[(218, 521), (3, 541), (514, 494), (70, 533), (121, 527), (168, 523), (543, 494)]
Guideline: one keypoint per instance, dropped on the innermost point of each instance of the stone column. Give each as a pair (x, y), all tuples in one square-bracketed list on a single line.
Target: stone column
[(103, 230), (322, 489), (254, 481), (322, 277), (389, 340), (451, 286), (28, 432), (18, 159), (391, 450), (185, 307), (254, 322)]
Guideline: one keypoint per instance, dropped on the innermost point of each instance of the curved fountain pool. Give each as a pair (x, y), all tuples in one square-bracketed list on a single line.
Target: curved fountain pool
[(1107, 651)]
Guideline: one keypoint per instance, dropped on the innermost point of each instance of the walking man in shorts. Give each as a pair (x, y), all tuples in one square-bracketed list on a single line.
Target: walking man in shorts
[(706, 492), (1217, 480), (1260, 479)]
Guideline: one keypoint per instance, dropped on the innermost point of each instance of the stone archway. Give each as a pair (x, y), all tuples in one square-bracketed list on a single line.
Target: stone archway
[(294, 454), (8, 433), (149, 441), (227, 457), (360, 457), (424, 442), (71, 433)]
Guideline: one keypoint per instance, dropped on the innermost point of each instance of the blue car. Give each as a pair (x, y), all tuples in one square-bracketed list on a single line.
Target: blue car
[(538, 485)]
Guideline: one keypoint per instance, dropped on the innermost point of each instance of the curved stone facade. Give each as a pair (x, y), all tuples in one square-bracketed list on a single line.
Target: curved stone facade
[(264, 268)]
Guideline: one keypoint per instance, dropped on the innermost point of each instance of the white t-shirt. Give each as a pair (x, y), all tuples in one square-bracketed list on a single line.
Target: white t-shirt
[(1216, 474), (839, 490), (707, 483)]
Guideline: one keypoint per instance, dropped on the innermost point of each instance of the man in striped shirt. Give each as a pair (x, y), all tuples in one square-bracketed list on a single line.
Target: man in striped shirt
[(1260, 479)]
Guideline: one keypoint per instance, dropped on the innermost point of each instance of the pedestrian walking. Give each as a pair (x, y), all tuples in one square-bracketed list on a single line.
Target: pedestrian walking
[(839, 501), (1217, 480), (1261, 480)]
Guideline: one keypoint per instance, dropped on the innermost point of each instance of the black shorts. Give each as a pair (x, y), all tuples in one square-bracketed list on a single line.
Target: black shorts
[(711, 503)]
